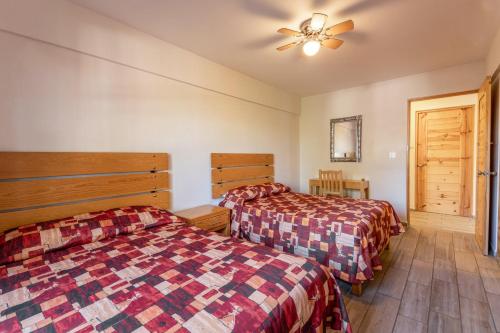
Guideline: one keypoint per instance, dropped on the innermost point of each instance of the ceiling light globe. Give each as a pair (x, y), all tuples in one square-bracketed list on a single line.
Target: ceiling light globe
[(311, 47)]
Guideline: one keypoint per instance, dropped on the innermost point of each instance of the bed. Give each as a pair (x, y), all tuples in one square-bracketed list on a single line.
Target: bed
[(140, 268), (348, 235)]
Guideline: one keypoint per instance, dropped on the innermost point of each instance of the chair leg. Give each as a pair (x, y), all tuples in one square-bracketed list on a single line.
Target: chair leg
[(357, 289)]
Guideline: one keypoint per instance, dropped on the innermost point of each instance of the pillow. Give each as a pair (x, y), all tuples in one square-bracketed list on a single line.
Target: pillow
[(247, 192), (36, 239), (236, 198), (269, 189)]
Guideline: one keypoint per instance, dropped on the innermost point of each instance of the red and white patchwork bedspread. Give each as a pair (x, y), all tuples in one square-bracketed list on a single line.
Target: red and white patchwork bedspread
[(345, 234), (141, 269)]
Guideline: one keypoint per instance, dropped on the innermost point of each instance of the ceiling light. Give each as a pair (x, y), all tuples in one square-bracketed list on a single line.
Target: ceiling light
[(311, 47), (318, 21)]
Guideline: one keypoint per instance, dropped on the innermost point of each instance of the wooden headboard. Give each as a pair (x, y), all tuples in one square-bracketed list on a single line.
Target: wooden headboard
[(234, 170), (38, 187)]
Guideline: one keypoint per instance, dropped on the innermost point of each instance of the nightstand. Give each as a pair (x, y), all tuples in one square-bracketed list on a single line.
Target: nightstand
[(208, 217)]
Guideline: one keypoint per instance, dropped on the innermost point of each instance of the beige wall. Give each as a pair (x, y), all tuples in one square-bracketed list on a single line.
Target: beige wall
[(71, 80), (493, 57), (64, 24), (384, 109), (433, 104)]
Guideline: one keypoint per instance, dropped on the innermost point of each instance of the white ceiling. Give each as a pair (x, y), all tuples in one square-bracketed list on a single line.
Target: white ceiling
[(392, 38)]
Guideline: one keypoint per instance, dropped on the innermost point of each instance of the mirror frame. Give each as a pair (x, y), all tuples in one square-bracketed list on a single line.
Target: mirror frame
[(357, 158)]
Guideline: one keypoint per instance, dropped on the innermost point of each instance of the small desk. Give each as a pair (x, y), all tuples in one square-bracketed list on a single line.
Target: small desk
[(360, 185)]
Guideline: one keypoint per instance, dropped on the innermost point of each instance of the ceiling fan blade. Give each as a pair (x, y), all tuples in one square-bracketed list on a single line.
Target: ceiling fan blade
[(340, 28), (286, 46), (332, 43), (290, 32)]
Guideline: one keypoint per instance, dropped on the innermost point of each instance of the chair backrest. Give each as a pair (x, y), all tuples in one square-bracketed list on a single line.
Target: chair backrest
[(331, 182)]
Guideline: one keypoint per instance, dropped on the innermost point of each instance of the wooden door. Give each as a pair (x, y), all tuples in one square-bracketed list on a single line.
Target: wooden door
[(444, 160), (483, 166)]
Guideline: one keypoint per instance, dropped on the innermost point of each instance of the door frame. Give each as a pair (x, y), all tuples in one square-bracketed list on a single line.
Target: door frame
[(408, 124)]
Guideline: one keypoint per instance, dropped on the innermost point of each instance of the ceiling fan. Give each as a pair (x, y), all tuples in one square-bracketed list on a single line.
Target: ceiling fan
[(313, 34)]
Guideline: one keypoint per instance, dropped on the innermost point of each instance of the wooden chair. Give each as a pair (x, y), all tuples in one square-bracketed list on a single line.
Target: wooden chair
[(331, 183)]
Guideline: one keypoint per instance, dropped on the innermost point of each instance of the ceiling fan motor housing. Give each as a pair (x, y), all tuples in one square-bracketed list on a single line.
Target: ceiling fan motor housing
[(306, 29)]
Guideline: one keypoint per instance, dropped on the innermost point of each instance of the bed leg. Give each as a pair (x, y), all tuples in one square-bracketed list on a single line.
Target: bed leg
[(357, 289)]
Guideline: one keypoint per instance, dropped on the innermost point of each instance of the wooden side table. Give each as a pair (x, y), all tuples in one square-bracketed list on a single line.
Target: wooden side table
[(208, 217)]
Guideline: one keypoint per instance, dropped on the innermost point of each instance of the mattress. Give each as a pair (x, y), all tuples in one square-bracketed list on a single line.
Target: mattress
[(346, 234), (167, 277)]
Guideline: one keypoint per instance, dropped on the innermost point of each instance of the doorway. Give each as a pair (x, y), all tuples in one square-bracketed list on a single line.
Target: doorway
[(442, 154)]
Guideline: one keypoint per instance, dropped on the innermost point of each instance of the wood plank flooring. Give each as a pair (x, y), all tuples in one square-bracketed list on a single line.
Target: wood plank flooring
[(442, 221), (433, 281)]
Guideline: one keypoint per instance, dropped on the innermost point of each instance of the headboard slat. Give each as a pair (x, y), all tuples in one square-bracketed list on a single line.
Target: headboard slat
[(39, 164), (19, 194), (232, 174), (35, 187), (220, 160), (220, 189), (24, 217), (235, 170)]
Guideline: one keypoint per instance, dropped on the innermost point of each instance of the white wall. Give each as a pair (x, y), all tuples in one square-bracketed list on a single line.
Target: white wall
[(434, 104), (72, 80), (384, 109)]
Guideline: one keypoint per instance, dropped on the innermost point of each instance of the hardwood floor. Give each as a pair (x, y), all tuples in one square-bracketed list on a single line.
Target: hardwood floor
[(433, 281), (442, 221)]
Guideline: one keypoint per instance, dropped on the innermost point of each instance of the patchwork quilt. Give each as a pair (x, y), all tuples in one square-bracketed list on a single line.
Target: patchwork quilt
[(345, 234), (141, 269)]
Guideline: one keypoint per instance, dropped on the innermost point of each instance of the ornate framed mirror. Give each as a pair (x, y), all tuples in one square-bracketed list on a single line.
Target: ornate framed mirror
[(345, 139)]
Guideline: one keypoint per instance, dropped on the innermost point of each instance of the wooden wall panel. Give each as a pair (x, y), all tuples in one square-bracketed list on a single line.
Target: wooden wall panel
[(38, 164), (18, 218), (233, 174), (222, 160), (19, 194)]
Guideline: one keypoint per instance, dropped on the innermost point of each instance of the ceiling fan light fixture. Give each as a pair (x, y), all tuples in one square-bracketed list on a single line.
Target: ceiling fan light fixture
[(311, 47), (313, 35), (318, 21)]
